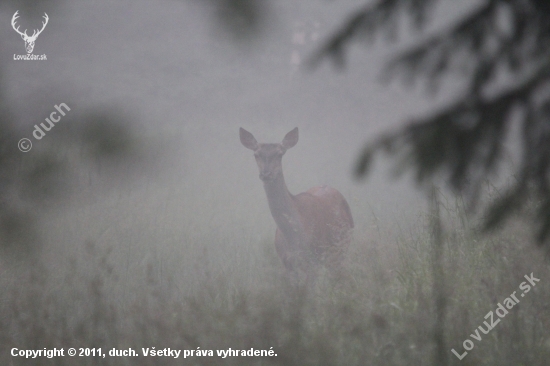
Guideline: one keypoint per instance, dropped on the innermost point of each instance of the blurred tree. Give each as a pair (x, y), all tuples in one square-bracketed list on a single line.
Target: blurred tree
[(498, 42), (241, 19)]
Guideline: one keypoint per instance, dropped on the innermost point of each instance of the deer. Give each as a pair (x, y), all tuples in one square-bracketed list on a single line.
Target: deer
[(29, 40), (314, 227)]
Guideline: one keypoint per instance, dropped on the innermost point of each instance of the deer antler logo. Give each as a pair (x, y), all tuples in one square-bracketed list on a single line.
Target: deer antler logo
[(29, 40)]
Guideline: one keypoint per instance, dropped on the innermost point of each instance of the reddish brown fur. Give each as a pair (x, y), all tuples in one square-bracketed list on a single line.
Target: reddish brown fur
[(313, 227), (327, 222)]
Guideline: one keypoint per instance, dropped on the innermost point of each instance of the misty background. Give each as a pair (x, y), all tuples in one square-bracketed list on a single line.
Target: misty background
[(168, 84), (185, 88)]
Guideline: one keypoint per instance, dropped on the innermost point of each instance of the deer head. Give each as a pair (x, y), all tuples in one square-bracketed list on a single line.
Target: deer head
[(269, 156), (29, 40)]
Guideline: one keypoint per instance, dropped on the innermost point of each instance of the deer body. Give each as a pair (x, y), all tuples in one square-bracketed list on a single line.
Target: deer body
[(313, 227)]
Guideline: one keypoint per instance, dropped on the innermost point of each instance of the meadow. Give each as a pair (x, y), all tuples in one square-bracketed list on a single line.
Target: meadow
[(379, 311)]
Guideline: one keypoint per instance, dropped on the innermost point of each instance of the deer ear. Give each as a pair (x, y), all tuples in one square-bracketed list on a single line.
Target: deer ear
[(247, 139), (291, 139)]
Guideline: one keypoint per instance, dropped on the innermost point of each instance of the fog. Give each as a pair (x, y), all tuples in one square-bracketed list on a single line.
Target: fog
[(186, 209), (186, 87)]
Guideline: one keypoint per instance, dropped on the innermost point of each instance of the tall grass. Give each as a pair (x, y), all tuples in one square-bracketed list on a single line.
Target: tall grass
[(379, 311)]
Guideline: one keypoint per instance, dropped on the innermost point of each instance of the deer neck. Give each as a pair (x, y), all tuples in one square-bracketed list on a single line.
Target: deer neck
[(284, 212)]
